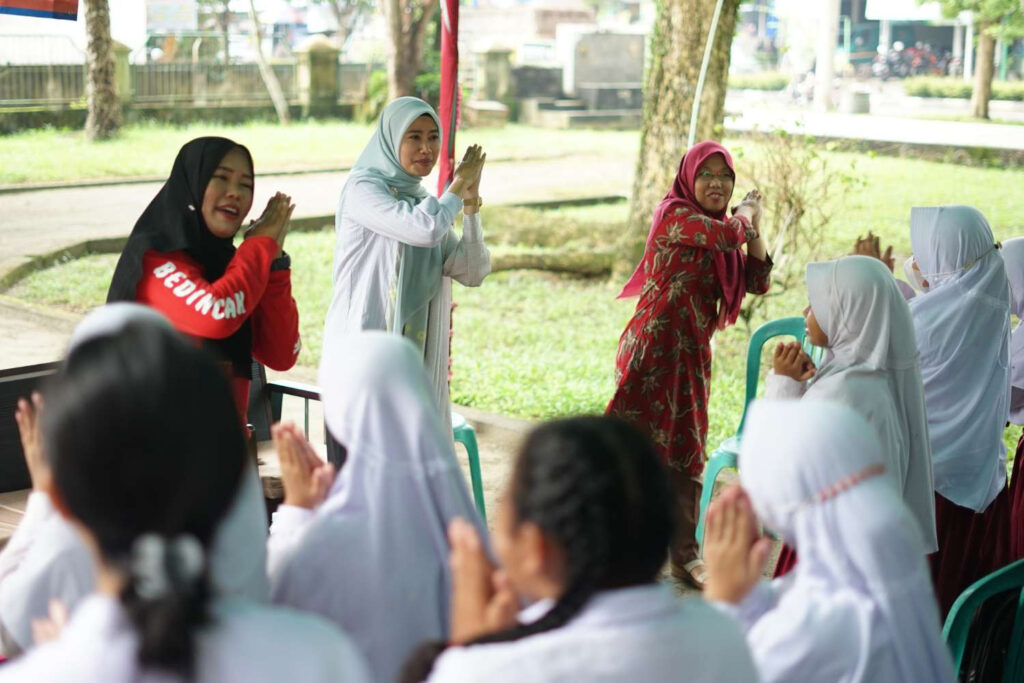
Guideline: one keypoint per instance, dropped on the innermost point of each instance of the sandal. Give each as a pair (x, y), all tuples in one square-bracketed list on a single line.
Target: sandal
[(693, 574)]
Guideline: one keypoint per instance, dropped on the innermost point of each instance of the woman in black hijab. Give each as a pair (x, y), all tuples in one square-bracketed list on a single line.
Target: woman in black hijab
[(181, 260)]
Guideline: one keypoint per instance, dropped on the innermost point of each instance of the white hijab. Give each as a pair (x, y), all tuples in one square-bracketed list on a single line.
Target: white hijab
[(873, 369), (375, 557), (56, 562), (860, 606), (1013, 259), (963, 333)]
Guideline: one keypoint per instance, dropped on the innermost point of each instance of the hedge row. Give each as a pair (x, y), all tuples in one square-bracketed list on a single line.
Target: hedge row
[(932, 86)]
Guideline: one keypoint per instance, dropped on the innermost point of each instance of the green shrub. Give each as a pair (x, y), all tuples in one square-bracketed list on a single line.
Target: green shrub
[(767, 80), (934, 86)]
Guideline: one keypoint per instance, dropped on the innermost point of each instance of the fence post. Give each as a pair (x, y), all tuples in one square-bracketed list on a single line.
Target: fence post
[(122, 72), (318, 77)]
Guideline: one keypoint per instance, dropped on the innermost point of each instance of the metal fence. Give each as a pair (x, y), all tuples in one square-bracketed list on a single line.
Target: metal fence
[(46, 85), (207, 83)]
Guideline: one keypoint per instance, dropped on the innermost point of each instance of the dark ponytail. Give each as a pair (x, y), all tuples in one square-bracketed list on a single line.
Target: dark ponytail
[(147, 453), (595, 486)]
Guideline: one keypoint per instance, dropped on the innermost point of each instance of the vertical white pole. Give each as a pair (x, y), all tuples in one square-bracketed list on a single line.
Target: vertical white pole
[(699, 90), (824, 69)]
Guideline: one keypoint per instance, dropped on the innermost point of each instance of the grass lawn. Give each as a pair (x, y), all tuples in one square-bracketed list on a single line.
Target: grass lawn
[(536, 345), (148, 149)]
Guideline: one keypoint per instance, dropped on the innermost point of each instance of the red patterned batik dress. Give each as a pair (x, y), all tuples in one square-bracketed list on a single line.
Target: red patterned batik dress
[(663, 366)]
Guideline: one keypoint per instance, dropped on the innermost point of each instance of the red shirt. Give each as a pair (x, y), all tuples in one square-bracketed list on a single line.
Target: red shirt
[(173, 283)]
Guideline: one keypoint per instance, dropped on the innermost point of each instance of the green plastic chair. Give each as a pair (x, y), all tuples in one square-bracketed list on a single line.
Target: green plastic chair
[(961, 616), (466, 435), (725, 455)]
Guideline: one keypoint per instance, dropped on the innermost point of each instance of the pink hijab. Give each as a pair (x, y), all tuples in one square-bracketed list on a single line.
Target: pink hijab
[(729, 265)]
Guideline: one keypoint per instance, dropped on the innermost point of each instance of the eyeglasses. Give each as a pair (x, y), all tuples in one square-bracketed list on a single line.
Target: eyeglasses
[(708, 176)]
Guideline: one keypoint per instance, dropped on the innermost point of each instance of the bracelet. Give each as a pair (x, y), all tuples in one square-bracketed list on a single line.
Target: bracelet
[(477, 203)]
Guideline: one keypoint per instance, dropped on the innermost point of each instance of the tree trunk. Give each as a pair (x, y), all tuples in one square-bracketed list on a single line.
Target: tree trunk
[(407, 24), (269, 77), (676, 49), (985, 64), (345, 14), (104, 119)]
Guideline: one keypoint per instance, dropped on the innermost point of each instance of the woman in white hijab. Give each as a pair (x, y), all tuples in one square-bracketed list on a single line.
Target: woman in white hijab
[(962, 325), (859, 607), (1013, 258), (45, 559), (373, 555), (857, 312), (396, 249)]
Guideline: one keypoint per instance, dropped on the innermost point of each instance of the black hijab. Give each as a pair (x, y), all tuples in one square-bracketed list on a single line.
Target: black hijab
[(173, 221)]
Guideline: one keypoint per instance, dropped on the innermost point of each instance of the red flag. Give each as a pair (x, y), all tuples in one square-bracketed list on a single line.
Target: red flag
[(46, 9), (448, 111)]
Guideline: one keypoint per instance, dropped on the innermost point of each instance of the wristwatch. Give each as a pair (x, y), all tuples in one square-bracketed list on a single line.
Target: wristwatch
[(282, 262)]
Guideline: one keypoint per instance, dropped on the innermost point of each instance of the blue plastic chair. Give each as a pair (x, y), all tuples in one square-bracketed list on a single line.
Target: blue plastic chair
[(961, 616), (725, 455), (466, 435)]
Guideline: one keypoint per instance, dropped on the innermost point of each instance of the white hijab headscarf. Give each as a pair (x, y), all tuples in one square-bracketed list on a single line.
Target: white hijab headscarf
[(57, 564), (1013, 259), (873, 369), (375, 557), (860, 605), (962, 323)]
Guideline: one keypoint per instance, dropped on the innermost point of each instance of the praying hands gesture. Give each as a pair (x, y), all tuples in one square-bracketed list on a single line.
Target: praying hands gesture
[(466, 183), (275, 220), (792, 361), (734, 552), (872, 246), (305, 477), (27, 415), (482, 598)]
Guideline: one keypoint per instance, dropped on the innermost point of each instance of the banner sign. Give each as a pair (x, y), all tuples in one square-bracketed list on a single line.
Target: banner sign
[(44, 9)]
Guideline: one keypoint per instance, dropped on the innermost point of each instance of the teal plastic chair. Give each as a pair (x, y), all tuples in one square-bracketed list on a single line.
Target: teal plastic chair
[(466, 435), (961, 616), (725, 455)]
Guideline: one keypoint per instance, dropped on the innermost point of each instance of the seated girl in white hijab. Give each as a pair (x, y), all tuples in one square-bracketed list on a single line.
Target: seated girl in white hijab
[(368, 550), (147, 497), (962, 326), (45, 559), (859, 606), (1013, 259), (583, 531), (858, 313)]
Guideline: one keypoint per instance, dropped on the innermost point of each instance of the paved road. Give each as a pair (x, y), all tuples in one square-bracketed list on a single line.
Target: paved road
[(40, 222)]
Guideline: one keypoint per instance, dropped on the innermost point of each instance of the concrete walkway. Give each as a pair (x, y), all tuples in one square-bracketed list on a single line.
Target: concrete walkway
[(40, 222)]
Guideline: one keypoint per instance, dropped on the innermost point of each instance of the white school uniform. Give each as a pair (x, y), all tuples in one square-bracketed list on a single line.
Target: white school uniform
[(45, 558), (370, 232), (872, 367), (642, 633), (373, 557), (246, 642), (859, 606), (962, 326), (1013, 260)]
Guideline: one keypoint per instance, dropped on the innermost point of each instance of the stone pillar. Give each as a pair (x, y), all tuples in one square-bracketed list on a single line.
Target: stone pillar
[(122, 71), (884, 36), (958, 42), (493, 75), (318, 77), (824, 69)]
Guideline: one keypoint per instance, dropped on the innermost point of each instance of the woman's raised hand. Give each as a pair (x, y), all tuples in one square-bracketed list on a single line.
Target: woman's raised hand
[(483, 600), (750, 207), (275, 220), (27, 415), (305, 477), (733, 553), (467, 175), (792, 361), (872, 246)]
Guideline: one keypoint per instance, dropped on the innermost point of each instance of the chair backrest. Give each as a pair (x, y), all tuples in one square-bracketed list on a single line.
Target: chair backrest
[(789, 327), (264, 406), (961, 617), (16, 383)]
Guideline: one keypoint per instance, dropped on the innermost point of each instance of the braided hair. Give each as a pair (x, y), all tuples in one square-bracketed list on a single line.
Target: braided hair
[(595, 486)]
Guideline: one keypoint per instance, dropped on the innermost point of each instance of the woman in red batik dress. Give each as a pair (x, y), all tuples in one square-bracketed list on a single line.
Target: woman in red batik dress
[(691, 282)]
